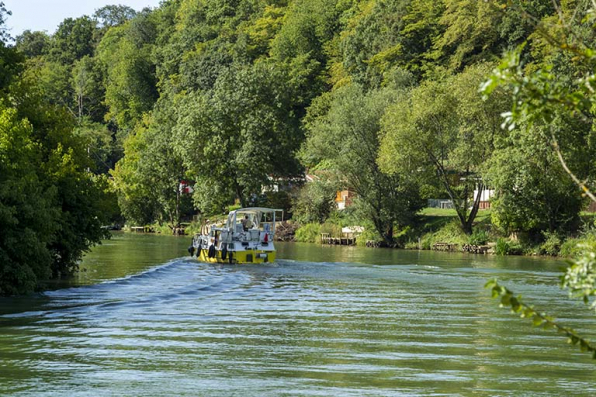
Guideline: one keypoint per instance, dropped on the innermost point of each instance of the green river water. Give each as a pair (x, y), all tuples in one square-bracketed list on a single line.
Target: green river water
[(142, 319)]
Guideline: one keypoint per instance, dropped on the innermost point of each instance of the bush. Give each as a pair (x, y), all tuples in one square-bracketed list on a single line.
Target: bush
[(193, 228), (451, 233), (411, 245), (369, 234), (573, 247), (508, 247), (308, 233), (333, 229), (478, 237), (551, 245)]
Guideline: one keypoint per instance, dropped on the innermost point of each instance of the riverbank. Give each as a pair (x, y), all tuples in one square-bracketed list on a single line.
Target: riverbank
[(439, 229)]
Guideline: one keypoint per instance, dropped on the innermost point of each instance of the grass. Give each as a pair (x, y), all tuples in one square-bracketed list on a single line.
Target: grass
[(433, 212)]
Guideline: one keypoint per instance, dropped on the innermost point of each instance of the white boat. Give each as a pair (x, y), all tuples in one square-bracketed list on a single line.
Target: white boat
[(246, 237)]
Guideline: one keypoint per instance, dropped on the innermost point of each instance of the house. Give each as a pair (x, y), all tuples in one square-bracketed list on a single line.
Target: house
[(344, 199), (485, 196)]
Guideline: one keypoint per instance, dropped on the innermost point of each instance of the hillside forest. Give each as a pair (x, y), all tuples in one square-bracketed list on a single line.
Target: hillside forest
[(106, 119)]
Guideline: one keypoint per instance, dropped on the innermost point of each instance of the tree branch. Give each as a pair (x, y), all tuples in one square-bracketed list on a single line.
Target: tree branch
[(579, 183)]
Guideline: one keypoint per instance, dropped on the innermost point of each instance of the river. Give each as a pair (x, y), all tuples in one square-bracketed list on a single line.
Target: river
[(142, 320)]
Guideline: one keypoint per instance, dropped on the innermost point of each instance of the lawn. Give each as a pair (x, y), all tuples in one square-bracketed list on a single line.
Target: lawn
[(482, 214)]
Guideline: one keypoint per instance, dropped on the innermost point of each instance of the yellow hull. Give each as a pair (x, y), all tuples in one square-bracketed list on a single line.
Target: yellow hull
[(239, 257)]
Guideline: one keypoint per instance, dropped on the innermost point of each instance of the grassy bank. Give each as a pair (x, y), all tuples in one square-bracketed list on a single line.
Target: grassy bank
[(442, 226)]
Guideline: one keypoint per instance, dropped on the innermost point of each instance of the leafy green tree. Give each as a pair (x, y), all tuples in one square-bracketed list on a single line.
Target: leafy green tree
[(149, 176), (373, 42), (303, 44), (477, 31), (4, 35), (113, 15), (534, 193), (73, 40), (27, 214), (446, 126), (99, 143), (344, 138), (11, 62), (62, 165), (33, 44), (89, 91), (238, 138), (315, 202), (125, 52)]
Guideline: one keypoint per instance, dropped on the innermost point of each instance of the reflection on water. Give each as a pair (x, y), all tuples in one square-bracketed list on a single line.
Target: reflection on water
[(322, 321)]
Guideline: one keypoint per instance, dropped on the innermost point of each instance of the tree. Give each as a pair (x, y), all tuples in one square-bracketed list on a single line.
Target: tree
[(113, 15), (89, 92), (33, 44), (240, 137), (533, 191), (27, 214), (3, 31), (344, 138), (148, 178), (304, 45), (11, 62), (445, 126), (73, 40), (315, 202), (125, 53), (62, 165)]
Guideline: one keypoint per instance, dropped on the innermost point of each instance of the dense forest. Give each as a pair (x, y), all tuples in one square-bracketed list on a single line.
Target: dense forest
[(104, 119)]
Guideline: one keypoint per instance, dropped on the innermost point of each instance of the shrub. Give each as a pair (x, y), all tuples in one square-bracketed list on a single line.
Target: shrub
[(576, 246), (508, 247), (502, 247), (411, 245), (369, 234), (551, 245), (332, 228), (308, 233), (478, 237), (193, 228)]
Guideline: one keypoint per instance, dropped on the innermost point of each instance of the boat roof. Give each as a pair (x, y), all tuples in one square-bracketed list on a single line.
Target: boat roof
[(256, 209)]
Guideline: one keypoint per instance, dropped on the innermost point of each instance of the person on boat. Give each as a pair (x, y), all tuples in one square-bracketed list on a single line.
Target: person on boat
[(246, 223)]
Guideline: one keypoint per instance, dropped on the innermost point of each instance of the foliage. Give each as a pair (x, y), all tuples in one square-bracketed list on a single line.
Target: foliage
[(308, 233), (114, 15), (148, 178), (580, 276), (369, 234), (28, 215), (574, 246), (345, 139), (443, 126), (240, 137), (450, 233), (315, 202), (51, 209), (33, 44), (551, 245), (507, 247), (479, 237), (73, 40), (3, 14), (125, 53)]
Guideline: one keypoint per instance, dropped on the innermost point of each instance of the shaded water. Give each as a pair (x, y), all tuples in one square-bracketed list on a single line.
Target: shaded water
[(322, 321)]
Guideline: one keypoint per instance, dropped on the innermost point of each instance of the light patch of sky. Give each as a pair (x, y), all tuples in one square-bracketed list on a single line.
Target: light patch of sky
[(46, 15)]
